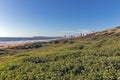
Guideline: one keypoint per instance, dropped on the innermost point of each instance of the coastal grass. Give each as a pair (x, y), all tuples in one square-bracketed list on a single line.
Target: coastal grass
[(88, 58)]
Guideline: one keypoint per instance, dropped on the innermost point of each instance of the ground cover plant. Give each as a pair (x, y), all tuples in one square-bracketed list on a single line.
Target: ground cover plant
[(93, 57)]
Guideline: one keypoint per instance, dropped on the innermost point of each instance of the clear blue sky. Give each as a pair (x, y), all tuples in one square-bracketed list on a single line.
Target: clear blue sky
[(57, 17)]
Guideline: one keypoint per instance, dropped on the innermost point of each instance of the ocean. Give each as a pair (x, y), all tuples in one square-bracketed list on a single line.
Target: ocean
[(12, 40)]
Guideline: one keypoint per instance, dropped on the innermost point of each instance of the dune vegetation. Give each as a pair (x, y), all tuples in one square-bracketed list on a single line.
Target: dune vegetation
[(92, 57)]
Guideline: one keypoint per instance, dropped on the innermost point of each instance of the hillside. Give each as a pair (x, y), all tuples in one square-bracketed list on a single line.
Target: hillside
[(110, 32), (95, 56)]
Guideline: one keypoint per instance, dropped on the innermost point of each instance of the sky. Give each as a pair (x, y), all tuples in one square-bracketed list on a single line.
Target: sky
[(27, 18)]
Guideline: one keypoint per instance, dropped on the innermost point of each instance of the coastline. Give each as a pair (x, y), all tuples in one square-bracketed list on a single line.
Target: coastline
[(11, 45), (20, 43)]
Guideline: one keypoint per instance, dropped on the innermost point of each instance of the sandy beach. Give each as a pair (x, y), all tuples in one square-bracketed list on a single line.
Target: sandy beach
[(12, 45)]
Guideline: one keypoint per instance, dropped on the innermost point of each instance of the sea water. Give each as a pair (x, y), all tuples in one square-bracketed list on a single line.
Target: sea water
[(17, 40)]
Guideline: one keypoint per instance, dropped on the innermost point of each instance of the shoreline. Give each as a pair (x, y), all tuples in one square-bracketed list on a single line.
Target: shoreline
[(3, 46), (20, 43)]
